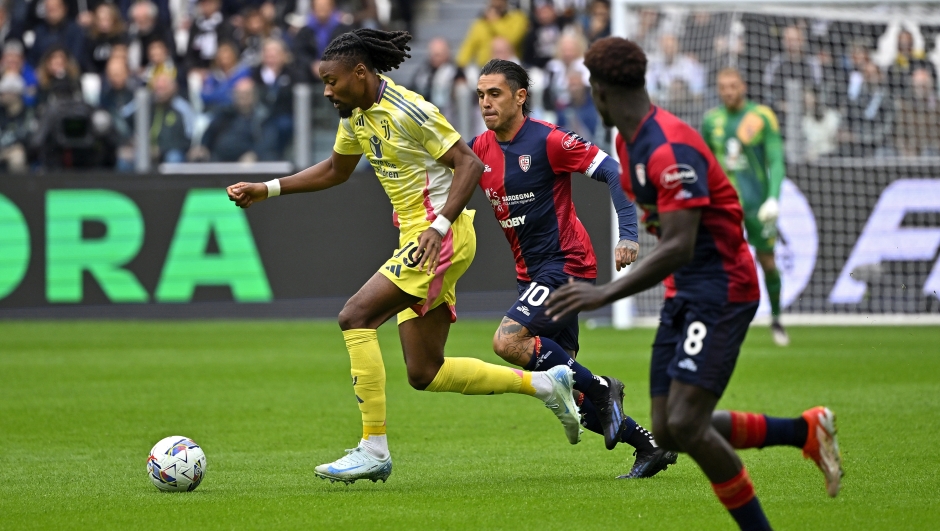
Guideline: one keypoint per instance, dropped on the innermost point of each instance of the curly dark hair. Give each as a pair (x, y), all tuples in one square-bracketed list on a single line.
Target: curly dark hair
[(617, 61), (379, 50)]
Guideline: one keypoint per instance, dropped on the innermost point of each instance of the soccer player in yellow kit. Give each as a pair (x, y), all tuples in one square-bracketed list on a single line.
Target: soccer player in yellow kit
[(429, 175)]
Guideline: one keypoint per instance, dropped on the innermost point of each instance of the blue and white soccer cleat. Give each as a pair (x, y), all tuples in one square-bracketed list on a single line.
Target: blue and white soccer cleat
[(356, 464), (562, 403)]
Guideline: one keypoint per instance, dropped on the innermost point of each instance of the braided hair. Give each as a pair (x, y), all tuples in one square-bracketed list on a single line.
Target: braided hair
[(379, 50)]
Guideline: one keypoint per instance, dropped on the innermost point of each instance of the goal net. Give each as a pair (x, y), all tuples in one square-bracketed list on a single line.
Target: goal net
[(854, 88)]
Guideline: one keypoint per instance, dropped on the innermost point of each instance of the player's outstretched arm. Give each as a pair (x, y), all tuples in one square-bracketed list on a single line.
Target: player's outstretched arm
[(627, 248), (468, 169), (325, 174), (676, 248)]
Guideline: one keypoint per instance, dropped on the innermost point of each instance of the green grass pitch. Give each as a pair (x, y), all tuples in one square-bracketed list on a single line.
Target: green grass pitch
[(81, 403)]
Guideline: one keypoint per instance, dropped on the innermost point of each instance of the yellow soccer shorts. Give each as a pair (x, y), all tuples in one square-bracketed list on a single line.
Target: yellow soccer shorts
[(458, 248)]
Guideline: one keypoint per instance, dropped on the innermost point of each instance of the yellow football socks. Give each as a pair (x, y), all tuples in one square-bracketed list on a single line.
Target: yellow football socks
[(471, 376), (368, 376)]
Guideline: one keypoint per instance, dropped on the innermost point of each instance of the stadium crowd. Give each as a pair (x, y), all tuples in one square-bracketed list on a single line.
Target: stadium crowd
[(221, 73), (838, 88)]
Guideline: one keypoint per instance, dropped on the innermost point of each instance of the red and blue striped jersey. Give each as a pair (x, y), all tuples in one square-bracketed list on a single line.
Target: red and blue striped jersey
[(666, 166), (528, 184)]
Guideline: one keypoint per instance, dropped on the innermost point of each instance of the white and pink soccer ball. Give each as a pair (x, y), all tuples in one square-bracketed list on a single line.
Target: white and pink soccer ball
[(176, 464)]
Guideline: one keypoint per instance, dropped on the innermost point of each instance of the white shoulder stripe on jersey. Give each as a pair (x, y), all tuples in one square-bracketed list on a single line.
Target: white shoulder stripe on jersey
[(598, 159)]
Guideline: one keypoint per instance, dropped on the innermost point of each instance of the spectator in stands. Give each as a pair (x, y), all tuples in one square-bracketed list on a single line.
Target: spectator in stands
[(698, 34), (934, 58), (908, 59), (571, 10), (233, 10), (255, 30), (278, 12), (497, 21), (859, 58), (235, 131), (918, 120), (365, 13), (274, 81), (58, 76), (792, 64), (117, 94), (55, 30), (500, 48), (820, 127), (14, 62), (833, 76), (869, 112), (598, 23), (669, 65), (648, 31), (171, 121), (105, 34), (570, 92), (218, 85), (207, 31), (680, 101), (159, 62), (142, 31), (539, 48), (437, 77), (725, 45), (15, 124), (117, 90), (544, 31), (325, 23)]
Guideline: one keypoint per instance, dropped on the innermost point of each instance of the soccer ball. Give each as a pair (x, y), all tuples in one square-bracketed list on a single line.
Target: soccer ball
[(176, 464)]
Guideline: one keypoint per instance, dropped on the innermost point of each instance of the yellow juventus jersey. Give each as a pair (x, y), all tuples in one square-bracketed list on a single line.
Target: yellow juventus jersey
[(403, 136)]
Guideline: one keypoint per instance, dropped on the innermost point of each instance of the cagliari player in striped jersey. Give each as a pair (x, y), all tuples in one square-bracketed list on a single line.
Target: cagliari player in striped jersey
[(711, 289), (527, 179)]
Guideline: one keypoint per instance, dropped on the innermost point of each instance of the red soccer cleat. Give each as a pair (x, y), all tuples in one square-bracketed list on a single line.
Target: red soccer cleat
[(822, 446)]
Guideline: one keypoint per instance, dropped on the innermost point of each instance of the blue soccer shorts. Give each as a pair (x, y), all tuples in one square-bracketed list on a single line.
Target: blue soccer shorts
[(529, 309), (698, 343)]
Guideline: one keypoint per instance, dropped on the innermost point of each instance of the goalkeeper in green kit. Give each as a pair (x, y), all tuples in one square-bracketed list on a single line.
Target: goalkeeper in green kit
[(745, 138)]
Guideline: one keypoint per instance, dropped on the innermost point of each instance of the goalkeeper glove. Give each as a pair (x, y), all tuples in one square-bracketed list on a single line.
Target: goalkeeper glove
[(769, 211)]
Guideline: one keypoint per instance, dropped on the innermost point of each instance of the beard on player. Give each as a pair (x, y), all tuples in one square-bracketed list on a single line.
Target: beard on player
[(343, 110)]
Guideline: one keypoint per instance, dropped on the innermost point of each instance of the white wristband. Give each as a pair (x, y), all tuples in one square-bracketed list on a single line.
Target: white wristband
[(274, 187), (441, 225)]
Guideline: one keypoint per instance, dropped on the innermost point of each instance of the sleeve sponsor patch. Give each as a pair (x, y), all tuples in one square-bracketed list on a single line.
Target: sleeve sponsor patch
[(572, 140), (678, 174)]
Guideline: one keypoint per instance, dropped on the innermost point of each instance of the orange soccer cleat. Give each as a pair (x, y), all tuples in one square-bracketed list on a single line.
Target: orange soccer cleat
[(822, 446)]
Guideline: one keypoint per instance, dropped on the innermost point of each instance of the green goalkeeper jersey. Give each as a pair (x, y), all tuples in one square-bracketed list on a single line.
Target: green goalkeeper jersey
[(748, 146)]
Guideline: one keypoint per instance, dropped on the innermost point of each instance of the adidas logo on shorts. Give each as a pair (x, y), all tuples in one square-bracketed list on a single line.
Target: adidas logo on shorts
[(688, 365)]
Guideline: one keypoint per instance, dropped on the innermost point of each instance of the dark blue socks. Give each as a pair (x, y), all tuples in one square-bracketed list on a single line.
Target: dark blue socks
[(549, 354), (750, 516), (785, 432)]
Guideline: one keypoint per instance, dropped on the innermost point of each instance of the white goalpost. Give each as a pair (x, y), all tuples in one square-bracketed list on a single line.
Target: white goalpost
[(855, 87)]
